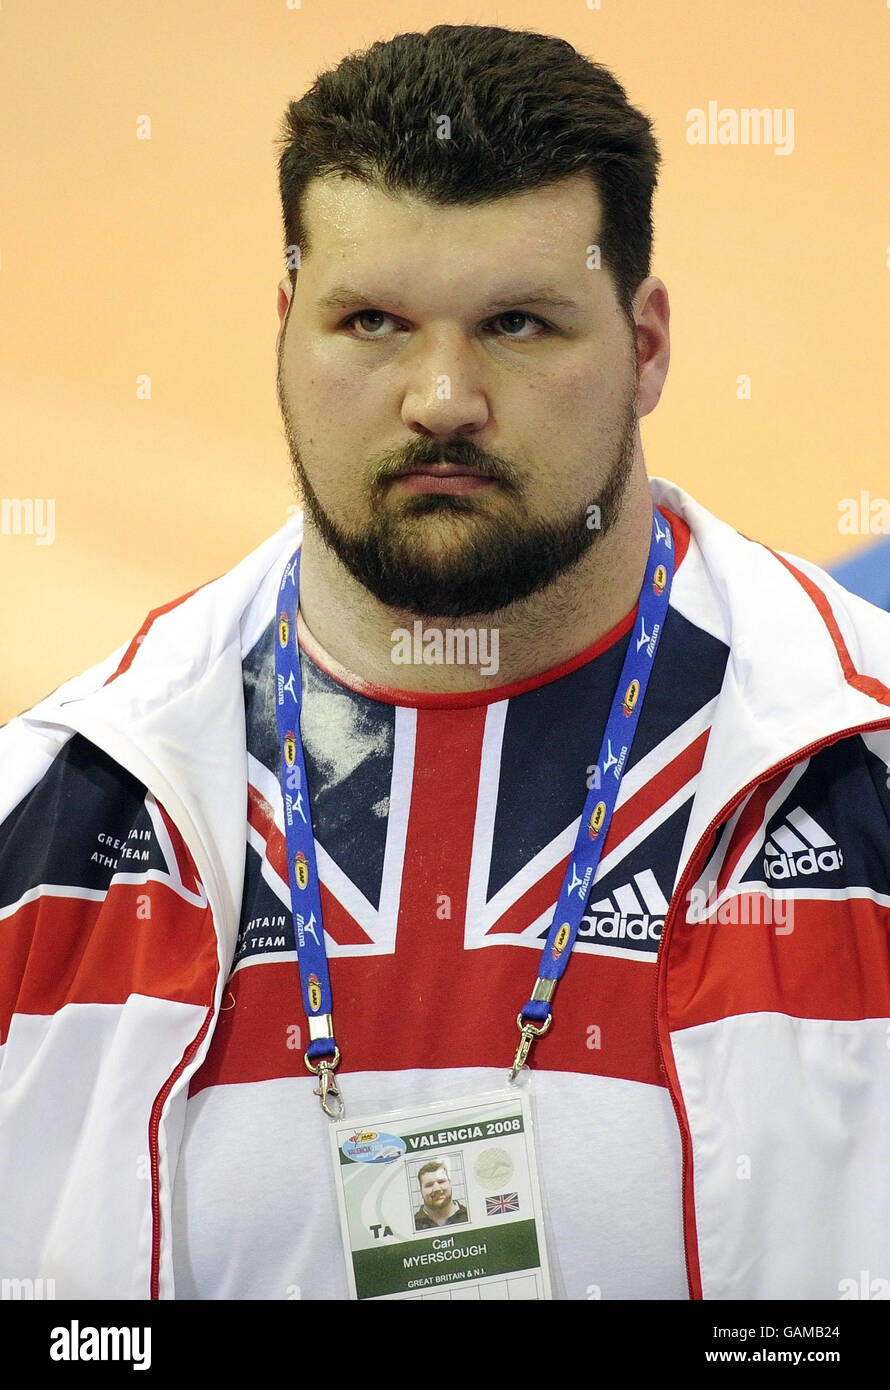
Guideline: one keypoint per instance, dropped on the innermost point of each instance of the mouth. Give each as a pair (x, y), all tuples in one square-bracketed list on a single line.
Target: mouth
[(442, 477)]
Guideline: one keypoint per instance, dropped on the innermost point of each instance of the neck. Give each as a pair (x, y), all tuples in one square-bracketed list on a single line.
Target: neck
[(531, 636)]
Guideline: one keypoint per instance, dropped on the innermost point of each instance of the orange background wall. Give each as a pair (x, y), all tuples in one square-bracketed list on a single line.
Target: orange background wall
[(121, 256)]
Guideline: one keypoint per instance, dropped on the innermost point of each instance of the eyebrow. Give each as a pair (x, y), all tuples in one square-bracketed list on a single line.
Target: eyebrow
[(345, 296)]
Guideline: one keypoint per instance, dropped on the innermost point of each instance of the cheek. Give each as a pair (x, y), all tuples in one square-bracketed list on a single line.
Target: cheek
[(582, 397), (591, 388), (556, 415), (320, 381)]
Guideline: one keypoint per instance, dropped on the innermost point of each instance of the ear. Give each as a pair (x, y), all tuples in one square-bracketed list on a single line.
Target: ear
[(652, 312)]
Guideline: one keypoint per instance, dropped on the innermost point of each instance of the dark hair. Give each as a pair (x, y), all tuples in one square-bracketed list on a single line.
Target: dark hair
[(432, 1167), (526, 110)]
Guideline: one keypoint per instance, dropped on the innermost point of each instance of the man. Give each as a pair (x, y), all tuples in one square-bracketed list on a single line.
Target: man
[(467, 343), (438, 1207)]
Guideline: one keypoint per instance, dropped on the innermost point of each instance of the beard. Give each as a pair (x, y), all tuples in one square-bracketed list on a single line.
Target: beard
[(501, 559)]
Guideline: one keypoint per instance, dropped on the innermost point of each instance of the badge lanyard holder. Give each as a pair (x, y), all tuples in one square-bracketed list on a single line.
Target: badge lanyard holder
[(322, 1054)]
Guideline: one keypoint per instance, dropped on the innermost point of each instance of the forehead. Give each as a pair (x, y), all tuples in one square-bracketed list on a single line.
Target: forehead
[(364, 228), (434, 1173)]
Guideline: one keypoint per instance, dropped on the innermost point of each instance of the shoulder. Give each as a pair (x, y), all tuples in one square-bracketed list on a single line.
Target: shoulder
[(818, 829), (70, 814)]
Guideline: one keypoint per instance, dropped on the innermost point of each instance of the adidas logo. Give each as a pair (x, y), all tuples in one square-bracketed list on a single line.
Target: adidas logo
[(800, 846), (633, 912)]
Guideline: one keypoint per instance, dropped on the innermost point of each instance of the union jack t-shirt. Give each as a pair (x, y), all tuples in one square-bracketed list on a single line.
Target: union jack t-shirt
[(444, 825)]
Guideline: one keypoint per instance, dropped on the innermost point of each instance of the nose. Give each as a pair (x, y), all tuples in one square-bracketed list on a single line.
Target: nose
[(445, 388)]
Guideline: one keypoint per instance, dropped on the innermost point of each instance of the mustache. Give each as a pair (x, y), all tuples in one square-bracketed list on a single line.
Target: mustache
[(461, 452)]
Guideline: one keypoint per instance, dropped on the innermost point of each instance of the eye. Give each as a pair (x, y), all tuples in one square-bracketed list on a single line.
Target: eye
[(375, 315), (511, 315), (370, 320)]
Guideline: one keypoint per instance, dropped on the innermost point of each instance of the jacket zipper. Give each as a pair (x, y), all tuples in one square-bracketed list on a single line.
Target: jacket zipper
[(660, 969), (154, 1125), (208, 881)]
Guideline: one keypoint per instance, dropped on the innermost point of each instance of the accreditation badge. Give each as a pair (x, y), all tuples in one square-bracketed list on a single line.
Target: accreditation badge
[(442, 1201)]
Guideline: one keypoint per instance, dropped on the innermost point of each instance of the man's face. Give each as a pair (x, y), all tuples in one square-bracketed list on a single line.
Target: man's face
[(435, 1190), (420, 335)]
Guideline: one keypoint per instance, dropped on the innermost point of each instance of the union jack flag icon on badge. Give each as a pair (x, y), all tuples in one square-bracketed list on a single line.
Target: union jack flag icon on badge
[(499, 1206)]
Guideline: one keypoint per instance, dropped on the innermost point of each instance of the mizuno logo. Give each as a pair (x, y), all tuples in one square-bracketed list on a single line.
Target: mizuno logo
[(580, 883), (612, 761), (634, 912), (648, 637), (800, 847), (664, 535), (305, 929)]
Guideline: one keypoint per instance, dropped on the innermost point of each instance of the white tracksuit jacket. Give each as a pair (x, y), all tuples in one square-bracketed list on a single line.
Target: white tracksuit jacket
[(776, 1044)]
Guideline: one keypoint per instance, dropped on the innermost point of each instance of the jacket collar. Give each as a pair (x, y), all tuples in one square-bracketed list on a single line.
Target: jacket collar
[(807, 658), (807, 661)]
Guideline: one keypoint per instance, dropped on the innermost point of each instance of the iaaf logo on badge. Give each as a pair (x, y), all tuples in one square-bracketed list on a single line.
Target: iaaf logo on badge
[(799, 847)]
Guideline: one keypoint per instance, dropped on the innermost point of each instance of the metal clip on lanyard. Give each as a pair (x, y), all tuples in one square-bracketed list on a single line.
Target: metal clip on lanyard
[(536, 1016), (328, 1089), (534, 1019)]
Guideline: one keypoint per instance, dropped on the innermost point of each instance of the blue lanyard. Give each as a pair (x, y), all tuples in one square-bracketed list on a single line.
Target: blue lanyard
[(322, 1054), (535, 1016)]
